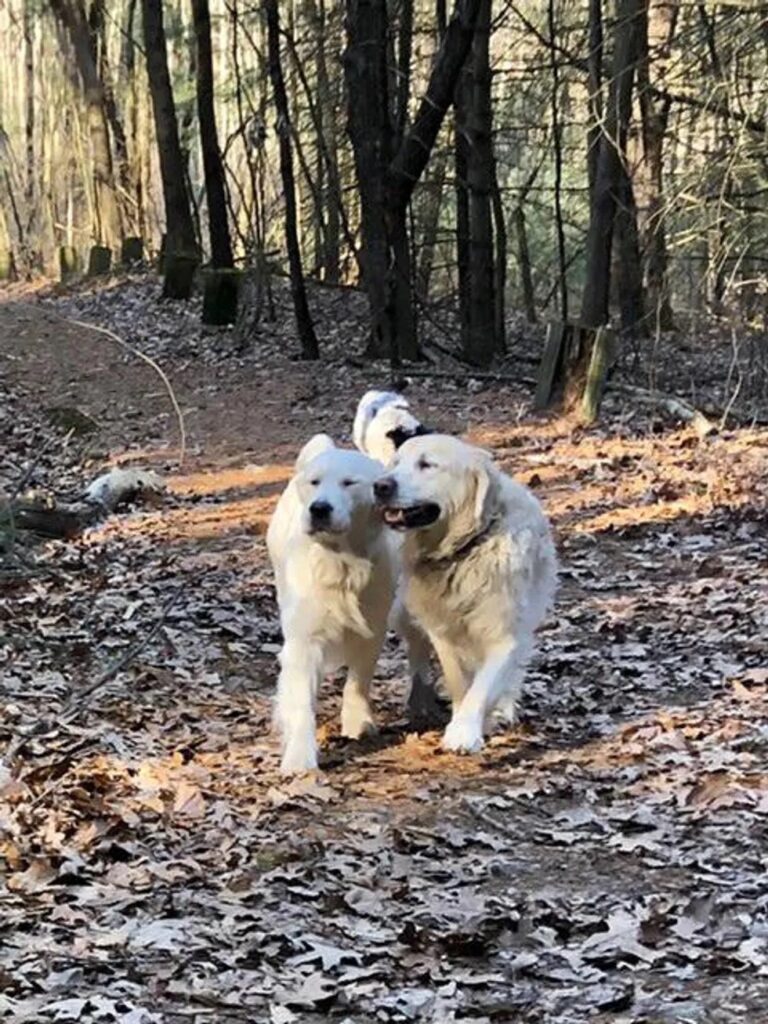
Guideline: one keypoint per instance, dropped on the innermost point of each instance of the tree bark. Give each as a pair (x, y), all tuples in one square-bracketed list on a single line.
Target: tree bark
[(107, 228), (595, 300), (479, 342), (657, 31), (309, 346), (386, 179), (181, 245), (215, 189)]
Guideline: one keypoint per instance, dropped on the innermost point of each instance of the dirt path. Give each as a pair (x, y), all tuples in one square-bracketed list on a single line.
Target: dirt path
[(603, 861)]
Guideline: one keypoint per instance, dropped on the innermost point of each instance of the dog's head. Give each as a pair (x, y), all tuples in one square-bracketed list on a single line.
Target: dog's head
[(383, 423), (335, 488), (439, 485)]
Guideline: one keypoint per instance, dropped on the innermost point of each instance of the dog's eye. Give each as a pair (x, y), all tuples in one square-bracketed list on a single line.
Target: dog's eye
[(348, 483), (424, 464), (314, 483)]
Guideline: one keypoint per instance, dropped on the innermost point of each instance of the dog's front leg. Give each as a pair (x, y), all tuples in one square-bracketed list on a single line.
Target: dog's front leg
[(301, 666), (356, 714), (465, 730)]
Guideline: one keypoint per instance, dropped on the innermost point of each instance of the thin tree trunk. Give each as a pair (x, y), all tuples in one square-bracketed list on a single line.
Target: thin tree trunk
[(595, 300), (107, 228), (562, 263), (524, 261), (181, 244), (658, 29), (309, 346), (218, 225), (28, 239), (479, 341)]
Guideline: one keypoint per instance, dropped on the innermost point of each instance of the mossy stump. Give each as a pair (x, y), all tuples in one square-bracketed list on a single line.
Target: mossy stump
[(99, 260), (7, 266), (178, 275), (132, 250), (69, 262), (220, 294)]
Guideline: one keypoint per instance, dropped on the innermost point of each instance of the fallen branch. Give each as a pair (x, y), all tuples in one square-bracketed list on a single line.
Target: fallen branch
[(676, 407)]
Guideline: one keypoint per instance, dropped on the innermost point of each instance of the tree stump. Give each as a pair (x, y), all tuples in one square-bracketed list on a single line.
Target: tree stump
[(99, 260), (69, 262), (600, 361), (7, 266), (220, 296), (132, 250), (179, 275)]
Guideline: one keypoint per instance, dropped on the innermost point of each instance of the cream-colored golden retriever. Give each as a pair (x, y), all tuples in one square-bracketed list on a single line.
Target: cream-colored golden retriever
[(335, 569), (479, 570)]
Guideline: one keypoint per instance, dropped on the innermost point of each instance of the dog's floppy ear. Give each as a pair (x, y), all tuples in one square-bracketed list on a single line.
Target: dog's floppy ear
[(486, 491), (314, 446)]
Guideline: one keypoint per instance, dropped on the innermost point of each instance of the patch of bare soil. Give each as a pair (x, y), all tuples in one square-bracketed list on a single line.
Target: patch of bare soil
[(603, 861)]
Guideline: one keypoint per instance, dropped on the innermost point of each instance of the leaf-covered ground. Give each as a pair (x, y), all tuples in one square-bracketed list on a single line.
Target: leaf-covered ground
[(604, 861)]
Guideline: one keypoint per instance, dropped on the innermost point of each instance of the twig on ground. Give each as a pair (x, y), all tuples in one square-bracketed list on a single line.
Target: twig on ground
[(70, 711), (145, 358)]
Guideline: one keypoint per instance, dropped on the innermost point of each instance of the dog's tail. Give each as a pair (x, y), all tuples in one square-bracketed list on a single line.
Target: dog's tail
[(314, 446)]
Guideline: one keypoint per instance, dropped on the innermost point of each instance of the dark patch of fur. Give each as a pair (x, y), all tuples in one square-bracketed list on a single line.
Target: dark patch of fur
[(400, 435)]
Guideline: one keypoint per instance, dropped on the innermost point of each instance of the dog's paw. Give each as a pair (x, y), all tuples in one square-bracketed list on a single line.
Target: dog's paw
[(462, 736), (425, 709), (506, 710), (298, 759), (355, 725)]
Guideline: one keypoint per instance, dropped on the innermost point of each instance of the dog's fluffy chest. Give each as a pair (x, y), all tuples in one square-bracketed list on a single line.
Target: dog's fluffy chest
[(466, 596)]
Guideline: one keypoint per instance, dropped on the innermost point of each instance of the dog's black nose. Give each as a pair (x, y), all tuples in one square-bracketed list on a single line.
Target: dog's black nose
[(320, 510), (385, 488)]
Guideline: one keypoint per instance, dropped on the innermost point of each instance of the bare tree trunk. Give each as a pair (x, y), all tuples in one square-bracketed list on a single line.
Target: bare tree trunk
[(218, 225), (524, 261), (479, 342), (99, 52), (595, 300), (28, 239), (108, 222), (181, 252), (386, 182), (430, 223), (309, 346), (658, 30)]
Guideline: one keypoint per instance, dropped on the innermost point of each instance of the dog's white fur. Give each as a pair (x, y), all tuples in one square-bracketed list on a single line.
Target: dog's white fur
[(479, 580), (335, 588), (379, 413)]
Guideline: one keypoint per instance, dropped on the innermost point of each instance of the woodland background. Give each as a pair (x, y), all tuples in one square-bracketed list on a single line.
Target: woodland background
[(404, 190), (590, 159)]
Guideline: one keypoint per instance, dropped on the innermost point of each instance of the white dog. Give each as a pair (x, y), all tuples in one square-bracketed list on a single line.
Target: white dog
[(335, 568), (479, 572), (383, 422)]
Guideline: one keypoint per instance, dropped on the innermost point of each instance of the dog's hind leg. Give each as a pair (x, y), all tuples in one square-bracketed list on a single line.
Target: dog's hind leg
[(301, 667), (356, 714), (423, 703)]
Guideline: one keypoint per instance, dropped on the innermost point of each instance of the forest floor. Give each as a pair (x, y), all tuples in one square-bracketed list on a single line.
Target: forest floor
[(604, 861)]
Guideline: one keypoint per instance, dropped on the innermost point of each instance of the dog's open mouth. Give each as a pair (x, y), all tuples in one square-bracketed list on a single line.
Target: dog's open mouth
[(412, 517)]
